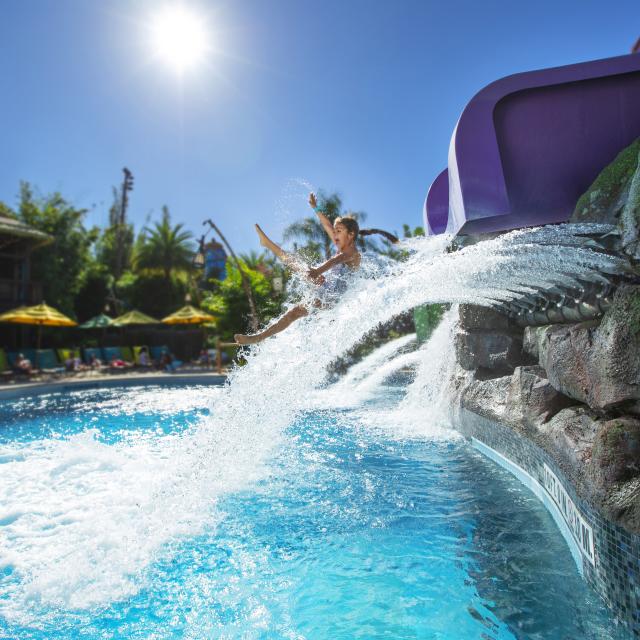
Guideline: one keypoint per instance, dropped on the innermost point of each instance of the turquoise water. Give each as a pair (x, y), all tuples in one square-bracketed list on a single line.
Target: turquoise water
[(350, 532)]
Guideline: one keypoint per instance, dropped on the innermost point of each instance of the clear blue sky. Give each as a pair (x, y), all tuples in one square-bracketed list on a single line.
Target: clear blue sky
[(357, 96)]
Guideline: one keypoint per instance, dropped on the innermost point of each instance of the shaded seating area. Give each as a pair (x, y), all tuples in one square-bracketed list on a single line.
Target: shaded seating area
[(132, 341)]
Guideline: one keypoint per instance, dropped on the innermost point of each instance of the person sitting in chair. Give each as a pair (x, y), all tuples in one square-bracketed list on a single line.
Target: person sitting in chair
[(23, 365)]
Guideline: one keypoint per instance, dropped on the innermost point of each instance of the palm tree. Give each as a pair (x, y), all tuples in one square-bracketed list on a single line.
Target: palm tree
[(164, 247), (253, 259)]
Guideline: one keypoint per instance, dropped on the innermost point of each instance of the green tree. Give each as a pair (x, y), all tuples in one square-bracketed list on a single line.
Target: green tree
[(6, 211), (59, 265), (94, 288), (164, 248), (408, 233), (152, 292), (228, 300)]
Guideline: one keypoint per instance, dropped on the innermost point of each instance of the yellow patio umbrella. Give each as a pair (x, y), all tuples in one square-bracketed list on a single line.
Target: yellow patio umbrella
[(133, 317), (188, 315), (41, 315)]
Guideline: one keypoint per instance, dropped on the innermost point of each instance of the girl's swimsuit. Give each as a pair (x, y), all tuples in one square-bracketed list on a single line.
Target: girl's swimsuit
[(334, 285)]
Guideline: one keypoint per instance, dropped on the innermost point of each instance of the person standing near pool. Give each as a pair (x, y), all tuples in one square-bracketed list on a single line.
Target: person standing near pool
[(344, 234)]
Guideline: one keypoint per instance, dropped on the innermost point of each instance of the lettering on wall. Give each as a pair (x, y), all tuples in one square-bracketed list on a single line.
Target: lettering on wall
[(580, 530)]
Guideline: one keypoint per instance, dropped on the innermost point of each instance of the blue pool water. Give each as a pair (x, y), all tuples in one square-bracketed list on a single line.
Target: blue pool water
[(348, 532)]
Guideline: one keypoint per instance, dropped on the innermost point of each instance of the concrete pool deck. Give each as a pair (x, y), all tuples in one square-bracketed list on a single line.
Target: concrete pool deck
[(97, 379)]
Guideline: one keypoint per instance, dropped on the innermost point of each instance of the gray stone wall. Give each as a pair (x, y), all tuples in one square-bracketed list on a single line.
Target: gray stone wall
[(568, 395)]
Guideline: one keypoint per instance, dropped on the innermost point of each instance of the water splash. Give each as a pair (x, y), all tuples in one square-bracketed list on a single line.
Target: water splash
[(363, 377), (425, 410), (81, 521)]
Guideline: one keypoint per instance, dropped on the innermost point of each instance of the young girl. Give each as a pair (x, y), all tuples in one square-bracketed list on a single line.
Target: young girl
[(343, 233)]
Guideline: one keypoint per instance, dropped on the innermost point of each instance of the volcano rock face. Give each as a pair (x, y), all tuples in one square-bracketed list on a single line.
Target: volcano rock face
[(578, 403), (488, 343), (597, 365)]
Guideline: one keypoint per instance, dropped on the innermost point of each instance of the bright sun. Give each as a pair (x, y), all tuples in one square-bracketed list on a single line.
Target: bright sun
[(179, 38)]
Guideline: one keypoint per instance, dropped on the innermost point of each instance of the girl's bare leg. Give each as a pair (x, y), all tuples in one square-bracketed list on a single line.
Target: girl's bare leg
[(287, 258), (267, 243), (280, 325)]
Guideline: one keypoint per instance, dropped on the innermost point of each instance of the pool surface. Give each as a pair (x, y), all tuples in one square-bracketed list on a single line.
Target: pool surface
[(347, 531)]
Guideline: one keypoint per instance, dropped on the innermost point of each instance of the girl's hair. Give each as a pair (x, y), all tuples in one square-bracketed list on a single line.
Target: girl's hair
[(352, 226)]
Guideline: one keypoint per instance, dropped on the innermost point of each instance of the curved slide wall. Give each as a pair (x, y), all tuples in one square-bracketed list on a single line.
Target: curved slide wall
[(526, 147)]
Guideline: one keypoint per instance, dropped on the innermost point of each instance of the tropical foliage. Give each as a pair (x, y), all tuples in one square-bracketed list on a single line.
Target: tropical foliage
[(86, 271), (59, 266), (229, 303), (164, 248)]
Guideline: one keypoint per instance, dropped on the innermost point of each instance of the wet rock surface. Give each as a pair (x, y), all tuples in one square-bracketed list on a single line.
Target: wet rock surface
[(605, 199), (578, 404), (598, 365), (493, 352), (531, 399), (488, 343)]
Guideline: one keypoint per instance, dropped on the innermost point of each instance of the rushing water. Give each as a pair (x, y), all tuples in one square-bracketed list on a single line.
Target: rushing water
[(201, 513)]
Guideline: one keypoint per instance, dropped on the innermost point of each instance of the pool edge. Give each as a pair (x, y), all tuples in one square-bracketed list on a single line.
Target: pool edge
[(129, 380)]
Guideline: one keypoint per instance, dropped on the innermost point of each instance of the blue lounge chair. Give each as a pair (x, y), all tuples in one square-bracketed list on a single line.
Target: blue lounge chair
[(112, 352), (89, 352), (46, 360)]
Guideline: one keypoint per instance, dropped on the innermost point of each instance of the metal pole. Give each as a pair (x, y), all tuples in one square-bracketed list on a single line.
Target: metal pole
[(245, 283)]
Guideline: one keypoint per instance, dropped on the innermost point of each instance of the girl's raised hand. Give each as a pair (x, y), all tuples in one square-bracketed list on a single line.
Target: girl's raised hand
[(312, 200)]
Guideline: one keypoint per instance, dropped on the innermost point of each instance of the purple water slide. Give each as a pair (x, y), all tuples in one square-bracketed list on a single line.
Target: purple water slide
[(526, 147), (436, 206)]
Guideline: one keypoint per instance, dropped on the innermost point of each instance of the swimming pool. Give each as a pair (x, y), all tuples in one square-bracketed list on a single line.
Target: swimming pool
[(346, 529)]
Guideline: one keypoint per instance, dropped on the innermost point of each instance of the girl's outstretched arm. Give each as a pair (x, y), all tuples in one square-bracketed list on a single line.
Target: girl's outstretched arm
[(339, 258), (324, 221)]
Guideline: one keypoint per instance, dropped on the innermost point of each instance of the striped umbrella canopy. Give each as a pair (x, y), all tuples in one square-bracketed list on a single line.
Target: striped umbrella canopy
[(97, 322), (133, 317), (41, 314), (188, 315)]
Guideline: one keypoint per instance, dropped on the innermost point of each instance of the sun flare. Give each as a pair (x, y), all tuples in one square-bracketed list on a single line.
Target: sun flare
[(179, 38)]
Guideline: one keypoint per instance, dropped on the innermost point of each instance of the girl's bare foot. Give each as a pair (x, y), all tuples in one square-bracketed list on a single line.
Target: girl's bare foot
[(240, 338)]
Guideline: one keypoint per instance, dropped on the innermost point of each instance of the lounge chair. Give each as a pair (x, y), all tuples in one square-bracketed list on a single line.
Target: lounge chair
[(112, 352), (136, 356), (66, 354), (156, 353), (29, 354), (46, 361), (92, 352)]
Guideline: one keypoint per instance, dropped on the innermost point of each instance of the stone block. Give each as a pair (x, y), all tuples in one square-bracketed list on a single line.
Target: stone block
[(531, 340), (472, 317), (598, 365), (569, 437), (531, 399), (493, 351), (616, 450), (486, 397)]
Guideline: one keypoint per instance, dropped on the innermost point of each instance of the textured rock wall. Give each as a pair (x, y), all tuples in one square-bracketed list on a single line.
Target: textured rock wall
[(579, 400)]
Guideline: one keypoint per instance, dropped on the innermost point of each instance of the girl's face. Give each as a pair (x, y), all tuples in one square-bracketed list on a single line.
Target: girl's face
[(343, 238)]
